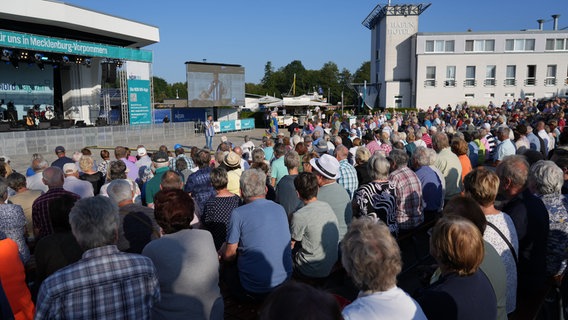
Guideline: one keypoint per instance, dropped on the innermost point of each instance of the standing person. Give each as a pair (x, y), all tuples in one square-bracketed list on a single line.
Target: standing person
[(482, 185), (448, 164), (286, 194), (347, 173), (24, 197), (314, 226), (13, 222), (52, 177), (72, 183), (209, 132), (185, 260), (463, 291), (259, 232), (326, 169), (105, 282), (198, 184), (61, 158), (372, 259), (217, 211), (121, 154)]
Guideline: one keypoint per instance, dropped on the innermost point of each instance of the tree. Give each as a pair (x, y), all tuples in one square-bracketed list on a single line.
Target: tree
[(363, 73), (160, 89)]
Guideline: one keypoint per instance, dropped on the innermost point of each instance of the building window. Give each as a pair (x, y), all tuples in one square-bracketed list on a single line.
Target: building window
[(509, 95), (439, 46), (531, 76), (469, 76), (529, 95), (550, 75), (519, 45), (479, 45), (510, 76), (430, 77), (489, 95), (490, 76), (469, 95), (556, 44), (450, 76)]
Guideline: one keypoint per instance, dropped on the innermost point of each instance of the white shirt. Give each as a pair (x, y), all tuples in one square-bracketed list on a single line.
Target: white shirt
[(391, 304), (82, 188)]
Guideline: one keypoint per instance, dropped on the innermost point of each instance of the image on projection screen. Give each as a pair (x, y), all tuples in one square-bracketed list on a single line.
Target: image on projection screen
[(215, 85)]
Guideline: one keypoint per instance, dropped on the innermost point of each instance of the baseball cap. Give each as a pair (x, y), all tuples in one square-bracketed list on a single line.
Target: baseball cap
[(160, 157), (142, 151), (327, 166), (59, 149), (177, 146), (70, 168)]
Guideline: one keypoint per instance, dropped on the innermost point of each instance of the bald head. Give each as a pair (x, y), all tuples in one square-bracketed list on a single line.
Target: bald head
[(341, 152), (238, 151), (53, 177)]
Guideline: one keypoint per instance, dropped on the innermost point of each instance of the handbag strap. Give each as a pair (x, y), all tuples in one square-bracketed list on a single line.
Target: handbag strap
[(513, 252)]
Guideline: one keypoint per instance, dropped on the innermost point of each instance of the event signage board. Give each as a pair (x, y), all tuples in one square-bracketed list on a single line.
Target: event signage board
[(32, 42), (139, 105), (247, 124)]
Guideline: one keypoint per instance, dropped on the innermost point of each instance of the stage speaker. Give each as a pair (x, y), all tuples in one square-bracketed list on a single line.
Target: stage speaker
[(11, 115), (109, 72), (4, 126), (44, 125)]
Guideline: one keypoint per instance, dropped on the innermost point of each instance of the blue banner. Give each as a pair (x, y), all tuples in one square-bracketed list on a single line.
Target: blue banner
[(139, 106), (160, 114), (247, 124), (227, 126), (33, 42), (188, 114)]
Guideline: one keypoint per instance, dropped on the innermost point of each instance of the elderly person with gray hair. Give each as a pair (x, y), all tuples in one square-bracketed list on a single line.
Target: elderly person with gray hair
[(13, 222), (546, 180), (86, 289), (372, 259), (362, 156), (448, 164), (408, 191), (431, 181), (286, 194), (259, 231), (137, 223), (377, 198)]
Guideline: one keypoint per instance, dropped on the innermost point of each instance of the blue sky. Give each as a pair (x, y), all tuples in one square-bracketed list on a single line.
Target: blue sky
[(252, 32)]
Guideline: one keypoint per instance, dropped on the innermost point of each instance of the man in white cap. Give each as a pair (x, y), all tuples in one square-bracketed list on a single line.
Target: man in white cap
[(326, 169), (143, 158), (72, 183)]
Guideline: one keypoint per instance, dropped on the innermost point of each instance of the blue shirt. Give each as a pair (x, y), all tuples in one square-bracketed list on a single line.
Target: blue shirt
[(104, 283), (432, 192), (200, 187), (265, 257)]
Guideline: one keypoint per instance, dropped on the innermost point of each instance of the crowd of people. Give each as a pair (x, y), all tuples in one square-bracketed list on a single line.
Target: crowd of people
[(157, 235)]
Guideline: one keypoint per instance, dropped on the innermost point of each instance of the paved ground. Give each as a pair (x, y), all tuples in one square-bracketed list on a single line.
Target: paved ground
[(21, 162)]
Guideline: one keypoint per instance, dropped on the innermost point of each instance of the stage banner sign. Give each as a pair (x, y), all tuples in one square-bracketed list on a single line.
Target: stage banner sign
[(160, 114), (237, 125), (247, 124), (139, 105), (33, 42), (227, 126)]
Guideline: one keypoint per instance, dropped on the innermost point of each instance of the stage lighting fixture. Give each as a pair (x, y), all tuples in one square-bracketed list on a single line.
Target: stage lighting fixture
[(24, 55), (79, 60), (38, 56), (65, 59), (6, 53), (88, 62)]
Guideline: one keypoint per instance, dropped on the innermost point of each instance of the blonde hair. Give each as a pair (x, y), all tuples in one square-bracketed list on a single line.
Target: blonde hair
[(457, 244), (482, 185), (86, 163)]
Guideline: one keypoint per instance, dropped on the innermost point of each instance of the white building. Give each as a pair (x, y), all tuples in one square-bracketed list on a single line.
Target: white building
[(415, 69)]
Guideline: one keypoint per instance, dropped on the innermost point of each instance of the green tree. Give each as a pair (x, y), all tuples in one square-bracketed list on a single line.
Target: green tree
[(160, 89), (178, 89), (363, 73)]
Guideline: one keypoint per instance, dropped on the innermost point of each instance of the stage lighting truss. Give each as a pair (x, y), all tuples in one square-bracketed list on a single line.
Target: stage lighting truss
[(10, 56)]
